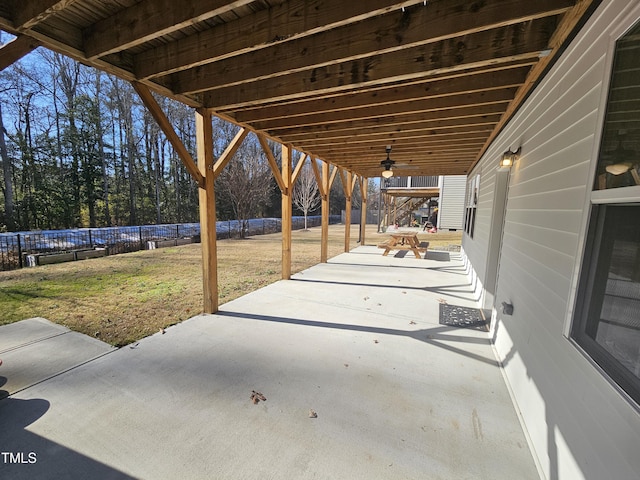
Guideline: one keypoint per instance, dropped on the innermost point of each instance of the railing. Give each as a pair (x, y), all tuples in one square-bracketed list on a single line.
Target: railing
[(412, 182), (15, 247)]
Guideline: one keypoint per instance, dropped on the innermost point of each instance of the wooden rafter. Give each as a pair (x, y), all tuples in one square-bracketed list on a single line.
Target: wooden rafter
[(417, 62), (379, 114), (335, 80), (265, 28), (567, 24), (161, 17), (32, 12), (396, 31), (458, 84)]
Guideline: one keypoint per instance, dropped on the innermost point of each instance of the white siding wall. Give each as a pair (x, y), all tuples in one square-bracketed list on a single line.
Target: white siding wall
[(451, 208), (579, 425)]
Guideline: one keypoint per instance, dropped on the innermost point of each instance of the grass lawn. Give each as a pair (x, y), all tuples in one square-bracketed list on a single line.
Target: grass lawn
[(122, 298)]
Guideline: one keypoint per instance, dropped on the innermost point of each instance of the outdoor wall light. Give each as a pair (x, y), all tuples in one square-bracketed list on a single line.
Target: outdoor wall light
[(508, 159)]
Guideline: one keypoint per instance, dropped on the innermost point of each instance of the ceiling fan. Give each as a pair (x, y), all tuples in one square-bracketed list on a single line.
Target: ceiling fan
[(387, 165)]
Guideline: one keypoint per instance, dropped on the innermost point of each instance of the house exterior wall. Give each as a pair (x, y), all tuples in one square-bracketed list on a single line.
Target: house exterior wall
[(451, 207), (579, 425)]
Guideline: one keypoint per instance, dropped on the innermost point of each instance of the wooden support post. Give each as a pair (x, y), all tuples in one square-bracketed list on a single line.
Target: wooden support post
[(287, 209), (347, 183), (395, 210), (364, 185), (324, 241), (207, 198)]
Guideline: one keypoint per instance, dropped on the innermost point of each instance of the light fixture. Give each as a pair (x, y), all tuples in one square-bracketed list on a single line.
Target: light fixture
[(387, 164), (619, 168), (508, 158)]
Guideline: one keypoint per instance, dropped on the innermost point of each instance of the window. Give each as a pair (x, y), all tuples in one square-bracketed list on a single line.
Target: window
[(607, 316), (471, 204)]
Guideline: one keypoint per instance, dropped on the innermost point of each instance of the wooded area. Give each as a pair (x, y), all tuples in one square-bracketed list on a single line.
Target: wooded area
[(79, 149)]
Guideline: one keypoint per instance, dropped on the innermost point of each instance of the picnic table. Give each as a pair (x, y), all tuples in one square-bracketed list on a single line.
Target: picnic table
[(404, 241)]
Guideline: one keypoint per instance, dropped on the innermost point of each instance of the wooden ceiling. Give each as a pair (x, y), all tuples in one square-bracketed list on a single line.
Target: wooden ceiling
[(339, 80)]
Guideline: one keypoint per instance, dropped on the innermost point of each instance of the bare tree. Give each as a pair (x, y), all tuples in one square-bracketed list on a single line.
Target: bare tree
[(246, 182), (305, 192)]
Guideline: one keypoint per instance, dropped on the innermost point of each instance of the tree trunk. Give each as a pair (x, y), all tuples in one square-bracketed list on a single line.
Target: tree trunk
[(8, 185), (101, 153)]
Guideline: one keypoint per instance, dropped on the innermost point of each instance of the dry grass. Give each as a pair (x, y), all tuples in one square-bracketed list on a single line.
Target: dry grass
[(123, 298)]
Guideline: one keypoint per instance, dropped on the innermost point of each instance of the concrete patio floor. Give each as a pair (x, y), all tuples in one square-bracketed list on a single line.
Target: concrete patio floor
[(356, 340)]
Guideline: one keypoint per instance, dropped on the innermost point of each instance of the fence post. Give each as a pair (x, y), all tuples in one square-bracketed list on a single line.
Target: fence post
[(90, 240), (140, 236), (19, 252), (177, 230)]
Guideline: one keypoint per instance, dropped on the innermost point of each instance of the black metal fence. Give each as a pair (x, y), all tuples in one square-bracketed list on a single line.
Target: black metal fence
[(16, 247)]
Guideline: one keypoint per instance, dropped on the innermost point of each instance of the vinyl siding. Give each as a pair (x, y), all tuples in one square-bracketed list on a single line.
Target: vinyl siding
[(452, 202), (579, 425)]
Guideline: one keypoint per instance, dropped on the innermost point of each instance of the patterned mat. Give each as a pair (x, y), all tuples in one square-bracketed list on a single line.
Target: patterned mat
[(461, 317)]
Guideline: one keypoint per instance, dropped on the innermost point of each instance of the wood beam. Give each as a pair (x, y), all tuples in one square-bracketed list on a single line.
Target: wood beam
[(169, 132), (318, 175), (229, 152), (449, 118), (401, 136), (17, 48), (383, 34), (455, 84), (379, 114), (298, 169), (567, 25), (272, 162), (324, 208), (509, 43), (373, 150), (207, 200), (147, 20), (332, 178), (287, 211), (280, 23), (357, 133), (32, 12), (347, 184)]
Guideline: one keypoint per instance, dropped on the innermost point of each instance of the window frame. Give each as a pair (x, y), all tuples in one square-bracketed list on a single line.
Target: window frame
[(591, 291), (596, 202), (471, 205)]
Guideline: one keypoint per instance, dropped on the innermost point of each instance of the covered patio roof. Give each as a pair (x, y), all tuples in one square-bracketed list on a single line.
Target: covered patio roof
[(339, 81)]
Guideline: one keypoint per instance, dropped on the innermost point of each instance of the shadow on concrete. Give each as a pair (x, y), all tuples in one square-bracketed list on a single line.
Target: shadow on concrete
[(431, 336), (448, 290), (26, 455), (458, 270)]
